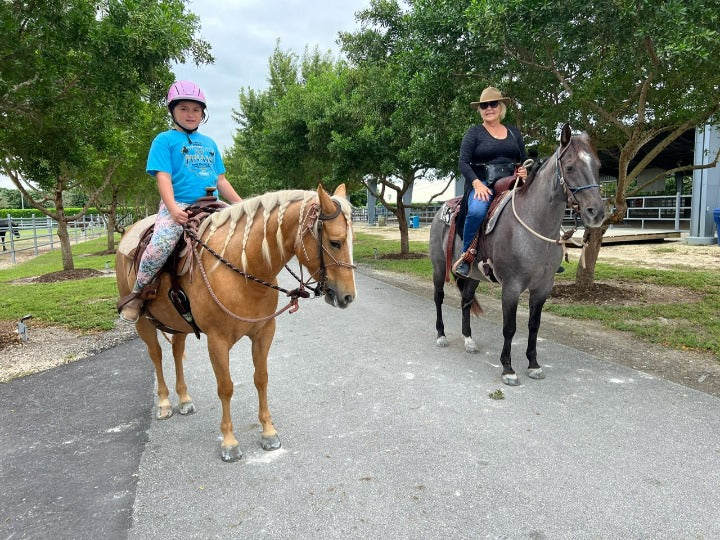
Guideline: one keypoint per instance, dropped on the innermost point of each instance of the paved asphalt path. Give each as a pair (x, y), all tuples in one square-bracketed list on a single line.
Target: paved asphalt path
[(384, 436)]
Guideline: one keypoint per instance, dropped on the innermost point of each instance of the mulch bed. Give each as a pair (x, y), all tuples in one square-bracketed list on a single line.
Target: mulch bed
[(598, 293), (67, 275)]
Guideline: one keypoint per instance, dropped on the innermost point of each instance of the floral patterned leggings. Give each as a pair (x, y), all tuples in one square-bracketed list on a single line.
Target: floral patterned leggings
[(164, 238)]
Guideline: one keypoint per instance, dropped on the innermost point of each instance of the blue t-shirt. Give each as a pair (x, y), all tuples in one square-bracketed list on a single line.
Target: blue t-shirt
[(192, 164)]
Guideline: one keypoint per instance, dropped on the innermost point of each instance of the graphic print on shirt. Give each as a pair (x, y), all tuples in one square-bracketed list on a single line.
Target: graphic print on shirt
[(199, 159)]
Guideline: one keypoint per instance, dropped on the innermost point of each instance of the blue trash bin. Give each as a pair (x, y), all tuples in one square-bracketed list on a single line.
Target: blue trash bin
[(716, 217), (414, 222)]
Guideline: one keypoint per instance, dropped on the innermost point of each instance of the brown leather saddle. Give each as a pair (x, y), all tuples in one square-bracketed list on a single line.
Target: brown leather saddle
[(451, 209), (178, 263)]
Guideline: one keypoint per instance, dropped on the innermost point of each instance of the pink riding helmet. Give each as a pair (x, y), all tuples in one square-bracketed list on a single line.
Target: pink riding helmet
[(185, 91)]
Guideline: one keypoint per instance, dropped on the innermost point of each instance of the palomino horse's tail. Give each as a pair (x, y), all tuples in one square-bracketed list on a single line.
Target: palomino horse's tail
[(475, 307)]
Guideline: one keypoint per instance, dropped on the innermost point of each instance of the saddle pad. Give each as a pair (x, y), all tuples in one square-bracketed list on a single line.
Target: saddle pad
[(449, 209), (130, 240), (497, 209)]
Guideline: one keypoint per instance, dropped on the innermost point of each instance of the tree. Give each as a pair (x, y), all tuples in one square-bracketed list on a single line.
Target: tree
[(635, 74), (123, 169), (72, 75), (285, 132), (403, 119)]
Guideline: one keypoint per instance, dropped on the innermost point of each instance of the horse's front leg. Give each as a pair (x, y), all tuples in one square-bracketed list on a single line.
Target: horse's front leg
[(148, 333), (219, 351), (186, 405), (537, 301), (261, 342), (509, 307)]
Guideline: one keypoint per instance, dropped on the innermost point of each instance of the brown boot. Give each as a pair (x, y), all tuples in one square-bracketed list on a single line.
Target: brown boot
[(130, 312)]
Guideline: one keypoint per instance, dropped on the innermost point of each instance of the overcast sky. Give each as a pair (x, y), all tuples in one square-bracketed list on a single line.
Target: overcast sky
[(243, 34)]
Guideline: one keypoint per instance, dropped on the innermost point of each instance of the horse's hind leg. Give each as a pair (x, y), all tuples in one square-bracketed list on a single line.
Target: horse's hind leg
[(260, 347), (509, 307), (536, 305), (186, 405), (439, 296), (148, 333), (467, 297)]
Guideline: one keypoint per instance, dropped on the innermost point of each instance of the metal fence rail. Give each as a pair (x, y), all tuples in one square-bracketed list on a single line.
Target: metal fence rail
[(40, 234), (672, 211)]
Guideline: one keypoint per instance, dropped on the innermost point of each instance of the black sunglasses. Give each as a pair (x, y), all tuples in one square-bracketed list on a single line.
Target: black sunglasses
[(487, 104)]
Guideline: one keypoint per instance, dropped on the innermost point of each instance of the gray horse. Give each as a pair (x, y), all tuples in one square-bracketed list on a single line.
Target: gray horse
[(523, 251), (5, 226)]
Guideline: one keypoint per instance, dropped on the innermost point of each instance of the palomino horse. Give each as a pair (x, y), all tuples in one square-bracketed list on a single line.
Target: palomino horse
[(5, 226), (233, 292), (523, 250)]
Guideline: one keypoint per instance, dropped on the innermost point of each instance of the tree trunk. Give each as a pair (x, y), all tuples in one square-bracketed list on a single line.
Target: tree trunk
[(112, 221), (111, 231), (63, 235), (403, 226), (592, 239), (65, 247)]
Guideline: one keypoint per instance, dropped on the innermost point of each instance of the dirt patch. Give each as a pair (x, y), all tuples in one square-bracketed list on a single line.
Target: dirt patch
[(403, 256), (66, 275), (620, 293)]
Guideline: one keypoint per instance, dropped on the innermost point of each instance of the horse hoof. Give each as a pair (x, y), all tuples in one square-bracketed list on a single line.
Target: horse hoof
[(164, 412), (442, 341), (511, 379), (187, 408), (536, 373), (271, 443), (470, 345), (231, 454)]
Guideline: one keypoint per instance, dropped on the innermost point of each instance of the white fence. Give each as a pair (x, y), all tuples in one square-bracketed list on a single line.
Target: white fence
[(647, 212), (40, 234)]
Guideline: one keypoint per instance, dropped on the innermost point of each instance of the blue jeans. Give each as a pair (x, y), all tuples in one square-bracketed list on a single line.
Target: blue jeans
[(476, 212)]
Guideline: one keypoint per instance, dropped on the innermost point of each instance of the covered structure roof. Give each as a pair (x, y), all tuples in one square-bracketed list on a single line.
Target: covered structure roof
[(680, 152)]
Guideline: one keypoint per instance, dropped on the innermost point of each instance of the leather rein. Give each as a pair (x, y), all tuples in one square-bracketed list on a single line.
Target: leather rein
[(311, 223), (569, 195)]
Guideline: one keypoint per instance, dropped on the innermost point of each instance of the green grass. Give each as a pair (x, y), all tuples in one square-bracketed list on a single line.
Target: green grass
[(85, 305), (679, 324)]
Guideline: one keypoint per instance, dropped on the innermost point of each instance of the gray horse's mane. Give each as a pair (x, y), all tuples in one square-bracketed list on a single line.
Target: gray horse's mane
[(579, 143), (250, 209)]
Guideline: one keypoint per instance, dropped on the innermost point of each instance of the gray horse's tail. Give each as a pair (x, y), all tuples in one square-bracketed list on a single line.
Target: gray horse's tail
[(474, 304)]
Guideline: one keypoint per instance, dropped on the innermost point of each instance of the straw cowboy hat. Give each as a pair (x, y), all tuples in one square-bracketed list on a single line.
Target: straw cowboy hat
[(490, 94)]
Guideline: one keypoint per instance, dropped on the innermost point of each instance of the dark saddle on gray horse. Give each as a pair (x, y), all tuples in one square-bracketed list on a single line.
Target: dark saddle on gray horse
[(449, 214)]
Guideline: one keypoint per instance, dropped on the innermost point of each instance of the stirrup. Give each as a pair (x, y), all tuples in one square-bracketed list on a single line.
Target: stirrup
[(465, 265), (129, 308)]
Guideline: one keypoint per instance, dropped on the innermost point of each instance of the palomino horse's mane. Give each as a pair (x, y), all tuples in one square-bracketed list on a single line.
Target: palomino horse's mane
[(250, 208)]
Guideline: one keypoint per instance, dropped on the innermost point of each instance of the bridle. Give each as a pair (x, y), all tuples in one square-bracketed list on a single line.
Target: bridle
[(313, 225), (570, 192), (312, 222)]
